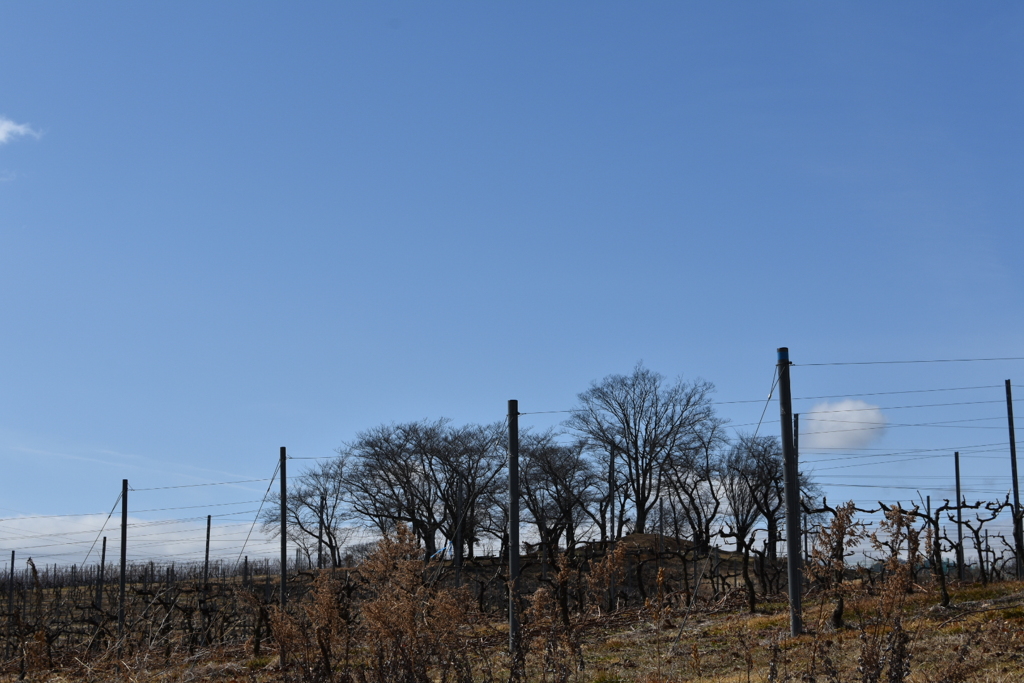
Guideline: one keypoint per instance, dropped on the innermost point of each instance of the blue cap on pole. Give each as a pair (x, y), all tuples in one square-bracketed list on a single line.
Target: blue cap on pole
[(784, 354)]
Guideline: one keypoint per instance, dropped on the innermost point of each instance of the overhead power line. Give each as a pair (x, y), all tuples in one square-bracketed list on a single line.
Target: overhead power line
[(803, 398), (102, 528), (886, 462), (256, 518), (919, 488), (549, 412), (965, 450), (923, 405), (193, 507), (904, 362), (907, 391), (771, 392), (79, 514), (188, 486)]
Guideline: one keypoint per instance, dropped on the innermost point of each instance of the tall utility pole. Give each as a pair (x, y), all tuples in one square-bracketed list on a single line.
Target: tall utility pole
[(99, 581), (457, 548), (284, 526), (10, 610), (206, 559), (10, 588), (791, 475), (124, 556), (320, 533), (513, 526), (959, 521), (284, 542), (796, 456), (1018, 534), (611, 499), (661, 528)]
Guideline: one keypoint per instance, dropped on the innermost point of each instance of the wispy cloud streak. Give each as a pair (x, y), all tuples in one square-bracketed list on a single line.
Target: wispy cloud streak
[(10, 130)]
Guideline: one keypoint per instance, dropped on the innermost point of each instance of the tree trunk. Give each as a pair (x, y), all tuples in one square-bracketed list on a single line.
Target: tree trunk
[(747, 581), (840, 562), (937, 569), (981, 556), (837, 613), (641, 516), (773, 540)]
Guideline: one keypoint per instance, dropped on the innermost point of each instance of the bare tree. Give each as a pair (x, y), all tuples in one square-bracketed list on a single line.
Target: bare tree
[(976, 528), (316, 511), (558, 487), (639, 422), (430, 475), (610, 511), (759, 460), (692, 482), (388, 482), (742, 514), (935, 537), (465, 464)]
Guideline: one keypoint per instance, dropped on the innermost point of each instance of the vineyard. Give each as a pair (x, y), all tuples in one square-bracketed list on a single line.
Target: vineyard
[(647, 607), (673, 554)]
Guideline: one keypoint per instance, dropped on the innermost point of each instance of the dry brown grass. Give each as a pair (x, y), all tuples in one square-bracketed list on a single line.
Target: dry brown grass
[(395, 621), (944, 645)]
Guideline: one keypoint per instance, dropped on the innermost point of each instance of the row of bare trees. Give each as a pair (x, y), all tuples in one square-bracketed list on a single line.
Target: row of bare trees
[(638, 454)]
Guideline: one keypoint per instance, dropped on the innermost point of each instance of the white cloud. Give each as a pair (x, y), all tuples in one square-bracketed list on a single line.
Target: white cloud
[(10, 130), (843, 424)]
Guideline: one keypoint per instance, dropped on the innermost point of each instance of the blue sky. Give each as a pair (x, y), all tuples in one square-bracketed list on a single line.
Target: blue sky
[(231, 227)]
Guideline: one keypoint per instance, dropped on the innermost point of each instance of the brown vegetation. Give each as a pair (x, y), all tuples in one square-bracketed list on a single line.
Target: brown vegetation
[(398, 618)]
